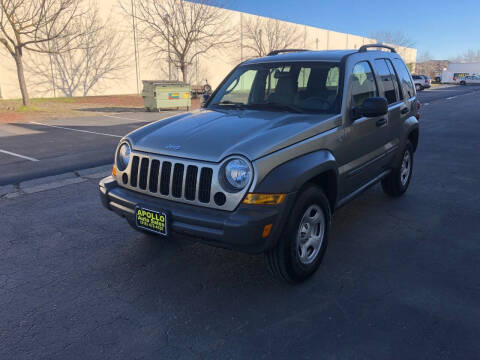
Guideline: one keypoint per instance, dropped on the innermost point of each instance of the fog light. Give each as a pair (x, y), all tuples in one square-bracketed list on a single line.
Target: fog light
[(264, 199), (266, 230)]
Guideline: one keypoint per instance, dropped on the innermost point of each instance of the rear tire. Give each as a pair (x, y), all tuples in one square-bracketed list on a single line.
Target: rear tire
[(418, 87), (396, 183), (302, 245), (463, 83)]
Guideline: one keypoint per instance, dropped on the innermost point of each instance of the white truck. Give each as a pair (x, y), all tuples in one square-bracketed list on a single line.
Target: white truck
[(457, 72)]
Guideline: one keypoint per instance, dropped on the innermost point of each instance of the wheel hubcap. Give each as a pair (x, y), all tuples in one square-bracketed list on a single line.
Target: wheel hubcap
[(406, 167), (310, 234)]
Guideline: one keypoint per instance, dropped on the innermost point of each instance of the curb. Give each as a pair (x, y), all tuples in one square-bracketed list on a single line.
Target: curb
[(54, 182)]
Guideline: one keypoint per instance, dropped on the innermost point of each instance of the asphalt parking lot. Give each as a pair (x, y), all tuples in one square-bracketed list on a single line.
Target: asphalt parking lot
[(55, 146), (445, 92), (400, 280)]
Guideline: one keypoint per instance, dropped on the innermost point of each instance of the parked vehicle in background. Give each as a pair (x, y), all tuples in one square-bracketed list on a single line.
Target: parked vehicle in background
[(421, 82), (456, 71), (282, 143), (429, 81), (471, 79)]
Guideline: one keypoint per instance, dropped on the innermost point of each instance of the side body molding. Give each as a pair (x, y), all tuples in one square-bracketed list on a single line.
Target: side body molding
[(291, 175)]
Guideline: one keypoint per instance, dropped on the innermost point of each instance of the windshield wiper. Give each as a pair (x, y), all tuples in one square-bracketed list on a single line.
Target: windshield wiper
[(287, 107), (230, 103)]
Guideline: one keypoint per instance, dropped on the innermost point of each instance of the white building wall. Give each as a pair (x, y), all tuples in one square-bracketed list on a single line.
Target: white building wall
[(213, 66)]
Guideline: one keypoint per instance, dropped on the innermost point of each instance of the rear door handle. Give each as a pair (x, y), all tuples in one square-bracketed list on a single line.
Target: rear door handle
[(381, 122), (404, 110)]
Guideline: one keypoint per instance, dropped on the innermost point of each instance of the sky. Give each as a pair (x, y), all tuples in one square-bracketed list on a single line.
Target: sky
[(444, 28)]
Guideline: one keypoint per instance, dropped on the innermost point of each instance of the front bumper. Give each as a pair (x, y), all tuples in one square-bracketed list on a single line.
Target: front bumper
[(237, 230)]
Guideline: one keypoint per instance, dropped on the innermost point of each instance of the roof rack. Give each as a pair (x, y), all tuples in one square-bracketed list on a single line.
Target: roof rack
[(276, 52), (365, 47)]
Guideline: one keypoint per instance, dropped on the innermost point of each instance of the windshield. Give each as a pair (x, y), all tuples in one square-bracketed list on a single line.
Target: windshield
[(294, 87)]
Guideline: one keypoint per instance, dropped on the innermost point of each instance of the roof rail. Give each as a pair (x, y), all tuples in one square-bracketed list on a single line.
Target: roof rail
[(365, 47), (276, 52)]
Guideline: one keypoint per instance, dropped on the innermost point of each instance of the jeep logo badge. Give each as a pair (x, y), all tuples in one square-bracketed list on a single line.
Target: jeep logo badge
[(173, 147)]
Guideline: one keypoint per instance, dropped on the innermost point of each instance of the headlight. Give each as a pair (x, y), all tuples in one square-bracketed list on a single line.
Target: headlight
[(123, 156), (237, 174)]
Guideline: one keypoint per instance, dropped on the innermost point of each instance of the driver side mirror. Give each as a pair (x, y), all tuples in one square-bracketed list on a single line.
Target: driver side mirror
[(371, 107), (205, 98)]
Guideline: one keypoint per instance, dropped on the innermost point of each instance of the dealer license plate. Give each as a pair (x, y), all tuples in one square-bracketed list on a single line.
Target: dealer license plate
[(151, 220)]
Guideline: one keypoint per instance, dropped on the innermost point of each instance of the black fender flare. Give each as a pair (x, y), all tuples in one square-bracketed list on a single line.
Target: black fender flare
[(293, 174)]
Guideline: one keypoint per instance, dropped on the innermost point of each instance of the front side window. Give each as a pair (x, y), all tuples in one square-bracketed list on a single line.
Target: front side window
[(296, 87), (363, 84)]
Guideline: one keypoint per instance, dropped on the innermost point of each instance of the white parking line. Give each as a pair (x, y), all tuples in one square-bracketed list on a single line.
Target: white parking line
[(123, 118), (78, 130), (451, 97), (18, 155), (166, 113)]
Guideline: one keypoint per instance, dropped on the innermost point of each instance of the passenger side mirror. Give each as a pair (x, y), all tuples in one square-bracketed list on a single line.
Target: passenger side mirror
[(205, 98), (372, 107)]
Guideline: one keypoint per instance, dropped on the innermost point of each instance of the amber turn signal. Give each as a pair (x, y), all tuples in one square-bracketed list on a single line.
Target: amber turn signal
[(264, 199), (114, 170), (266, 230)]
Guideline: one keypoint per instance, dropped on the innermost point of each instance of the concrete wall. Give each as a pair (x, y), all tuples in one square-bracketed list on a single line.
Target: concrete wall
[(213, 66)]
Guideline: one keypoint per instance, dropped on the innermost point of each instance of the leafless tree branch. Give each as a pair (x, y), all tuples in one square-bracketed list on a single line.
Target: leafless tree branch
[(29, 24), (178, 30), (264, 35), (393, 37), (94, 54)]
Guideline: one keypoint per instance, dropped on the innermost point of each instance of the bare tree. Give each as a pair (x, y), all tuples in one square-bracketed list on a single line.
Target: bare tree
[(424, 56), (264, 35), (178, 30), (393, 37), (468, 56), (30, 24), (94, 54)]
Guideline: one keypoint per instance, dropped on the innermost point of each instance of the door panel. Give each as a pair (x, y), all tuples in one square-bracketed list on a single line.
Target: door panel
[(365, 138)]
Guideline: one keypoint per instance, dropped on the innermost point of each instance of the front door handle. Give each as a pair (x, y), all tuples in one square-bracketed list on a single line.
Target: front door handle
[(404, 110), (381, 122)]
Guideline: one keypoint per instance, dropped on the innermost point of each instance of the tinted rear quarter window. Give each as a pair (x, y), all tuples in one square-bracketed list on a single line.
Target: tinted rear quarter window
[(404, 77)]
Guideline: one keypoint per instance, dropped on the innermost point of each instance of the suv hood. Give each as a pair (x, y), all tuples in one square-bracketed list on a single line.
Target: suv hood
[(212, 135)]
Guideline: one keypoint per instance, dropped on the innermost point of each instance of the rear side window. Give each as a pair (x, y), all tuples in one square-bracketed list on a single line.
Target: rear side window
[(387, 80), (395, 78), (363, 83), (404, 77)]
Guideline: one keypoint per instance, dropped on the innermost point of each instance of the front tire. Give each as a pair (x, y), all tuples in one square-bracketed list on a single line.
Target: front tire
[(304, 240), (396, 183)]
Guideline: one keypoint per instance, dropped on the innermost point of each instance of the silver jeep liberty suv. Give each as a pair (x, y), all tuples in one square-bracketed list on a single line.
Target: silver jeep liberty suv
[(282, 142)]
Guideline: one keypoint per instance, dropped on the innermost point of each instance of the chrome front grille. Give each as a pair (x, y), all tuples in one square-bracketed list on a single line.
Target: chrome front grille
[(177, 179), (171, 178)]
